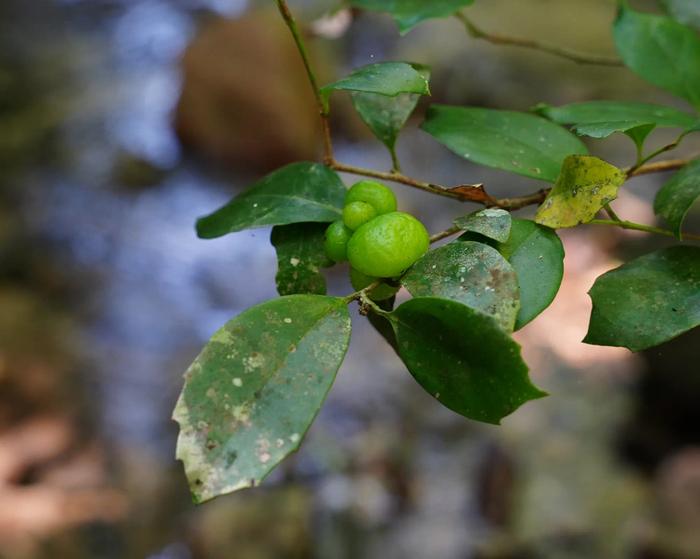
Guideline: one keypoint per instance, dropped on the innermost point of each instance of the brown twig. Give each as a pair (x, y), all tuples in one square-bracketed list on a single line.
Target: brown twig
[(394, 176), (659, 167), (301, 47), (497, 39)]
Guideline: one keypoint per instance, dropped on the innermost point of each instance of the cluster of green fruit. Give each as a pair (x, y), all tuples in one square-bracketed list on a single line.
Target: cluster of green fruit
[(378, 241)]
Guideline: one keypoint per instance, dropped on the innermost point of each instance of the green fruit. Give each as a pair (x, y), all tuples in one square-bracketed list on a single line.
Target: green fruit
[(336, 243), (360, 281), (387, 245), (380, 197), (358, 213)]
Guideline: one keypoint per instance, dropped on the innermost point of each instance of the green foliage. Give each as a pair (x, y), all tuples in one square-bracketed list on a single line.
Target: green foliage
[(647, 301), (384, 78), (386, 116), (300, 256), (585, 185), (252, 393), (537, 256), (296, 193), (470, 273), (517, 142), (409, 13), (600, 119), (661, 50), (491, 223), (678, 195), (463, 358)]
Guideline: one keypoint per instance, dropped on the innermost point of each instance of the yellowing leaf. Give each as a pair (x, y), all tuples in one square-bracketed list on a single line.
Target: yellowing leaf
[(584, 186)]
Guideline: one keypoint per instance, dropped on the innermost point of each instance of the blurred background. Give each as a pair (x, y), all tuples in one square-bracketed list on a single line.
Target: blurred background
[(122, 121)]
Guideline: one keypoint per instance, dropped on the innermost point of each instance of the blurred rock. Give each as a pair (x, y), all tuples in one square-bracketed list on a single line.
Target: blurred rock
[(245, 100), (258, 525)]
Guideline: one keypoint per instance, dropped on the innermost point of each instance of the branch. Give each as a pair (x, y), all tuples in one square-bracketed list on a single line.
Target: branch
[(519, 202), (659, 167), (301, 47), (395, 176), (496, 39)]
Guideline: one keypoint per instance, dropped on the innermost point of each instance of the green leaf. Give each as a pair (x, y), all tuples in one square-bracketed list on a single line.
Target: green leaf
[(383, 78), (491, 223), (521, 143), (684, 11), (600, 119), (638, 134), (585, 185), (462, 358), (473, 274), (296, 193), (678, 195), (537, 256), (409, 13), (661, 50), (647, 301), (300, 255), (251, 394), (386, 116)]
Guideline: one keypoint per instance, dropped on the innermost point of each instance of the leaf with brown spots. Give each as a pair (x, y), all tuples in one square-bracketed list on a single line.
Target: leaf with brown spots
[(254, 390), (472, 273), (300, 256), (584, 186)]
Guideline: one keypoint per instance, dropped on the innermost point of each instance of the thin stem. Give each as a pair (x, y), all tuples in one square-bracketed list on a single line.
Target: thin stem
[(519, 202), (397, 177), (301, 47), (366, 301), (659, 151), (358, 294), (640, 154), (641, 227), (395, 164), (611, 213), (658, 167), (498, 39), (444, 234)]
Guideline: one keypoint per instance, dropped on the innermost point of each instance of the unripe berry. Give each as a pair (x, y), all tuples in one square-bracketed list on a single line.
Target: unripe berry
[(380, 197), (387, 245), (336, 243), (357, 213)]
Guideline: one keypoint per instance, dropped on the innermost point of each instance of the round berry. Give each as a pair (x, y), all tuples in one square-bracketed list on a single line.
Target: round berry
[(380, 197), (336, 243), (387, 245), (382, 291), (357, 213)]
